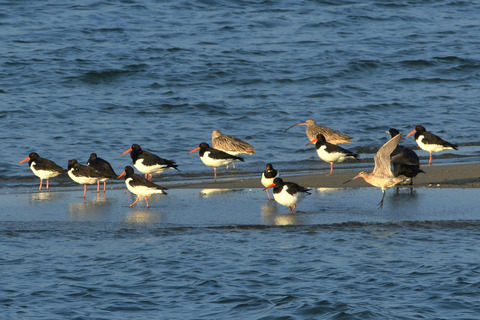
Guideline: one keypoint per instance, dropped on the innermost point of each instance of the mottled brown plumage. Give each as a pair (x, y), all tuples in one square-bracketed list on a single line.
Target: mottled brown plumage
[(313, 129), (230, 144)]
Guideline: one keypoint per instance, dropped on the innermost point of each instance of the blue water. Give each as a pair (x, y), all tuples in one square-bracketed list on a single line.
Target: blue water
[(98, 76), (191, 257)]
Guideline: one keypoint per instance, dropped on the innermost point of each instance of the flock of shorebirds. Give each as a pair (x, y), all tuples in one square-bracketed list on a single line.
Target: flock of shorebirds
[(226, 149)]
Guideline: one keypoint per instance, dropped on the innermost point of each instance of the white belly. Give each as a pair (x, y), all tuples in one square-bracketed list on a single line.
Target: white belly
[(43, 174), (141, 190), (330, 157), (268, 181), (430, 147), (288, 200), (81, 180), (149, 169), (214, 162)]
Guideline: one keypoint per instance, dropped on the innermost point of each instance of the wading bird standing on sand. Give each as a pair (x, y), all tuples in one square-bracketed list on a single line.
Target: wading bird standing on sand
[(214, 158), (82, 174), (288, 194), (430, 142), (149, 163), (313, 129), (382, 175), (43, 168), (405, 161), (268, 176), (140, 186), (330, 152), (230, 145), (104, 169)]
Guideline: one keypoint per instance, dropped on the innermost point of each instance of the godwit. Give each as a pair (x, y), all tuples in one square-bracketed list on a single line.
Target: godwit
[(140, 186), (313, 129), (268, 176), (330, 152), (230, 144), (382, 175), (288, 194), (405, 161), (104, 169), (430, 142), (149, 163), (43, 168), (214, 158), (82, 174)]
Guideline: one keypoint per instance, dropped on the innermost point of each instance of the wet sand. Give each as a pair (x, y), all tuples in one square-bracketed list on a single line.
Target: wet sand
[(443, 193), (438, 176)]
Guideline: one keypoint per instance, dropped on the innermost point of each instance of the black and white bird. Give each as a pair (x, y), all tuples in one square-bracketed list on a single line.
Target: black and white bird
[(268, 176), (214, 158), (288, 194), (43, 168), (405, 161), (82, 174), (330, 152), (149, 163), (140, 186), (429, 142), (104, 169)]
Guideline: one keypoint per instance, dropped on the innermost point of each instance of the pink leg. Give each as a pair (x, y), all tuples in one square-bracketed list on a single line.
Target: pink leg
[(331, 168), (138, 198), (84, 190), (294, 206), (268, 194), (146, 199), (214, 174), (41, 183), (104, 186), (146, 175), (430, 161), (98, 186), (47, 184)]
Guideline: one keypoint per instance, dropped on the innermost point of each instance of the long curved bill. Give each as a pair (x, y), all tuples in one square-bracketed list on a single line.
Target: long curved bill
[(196, 149), (414, 131), (121, 174), (26, 159), (298, 124), (127, 151)]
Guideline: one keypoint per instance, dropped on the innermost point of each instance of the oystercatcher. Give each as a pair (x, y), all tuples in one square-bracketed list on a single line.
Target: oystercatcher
[(405, 161), (214, 158), (43, 168), (430, 142), (288, 194), (140, 186), (82, 174), (149, 163), (382, 175), (103, 167), (331, 135), (231, 145), (268, 176), (330, 152)]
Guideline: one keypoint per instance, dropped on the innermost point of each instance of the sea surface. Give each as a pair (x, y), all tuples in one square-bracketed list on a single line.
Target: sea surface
[(78, 77)]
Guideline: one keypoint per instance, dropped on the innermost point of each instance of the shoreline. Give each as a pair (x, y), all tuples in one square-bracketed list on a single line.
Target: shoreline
[(439, 176), (436, 176)]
